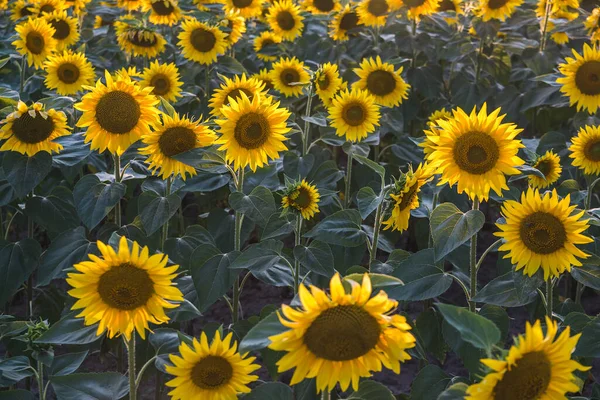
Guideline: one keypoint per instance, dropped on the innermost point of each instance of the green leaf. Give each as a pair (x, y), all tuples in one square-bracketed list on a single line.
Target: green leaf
[(429, 383), (230, 65), (17, 262), (277, 227), (588, 344), (211, 273), (378, 168), (258, 337), (156, 210), (455, 392), (422, 279), (474, 329), (509, 290), (69, 248), (180, 249), (588, 275), (90, 386), (271, 391), (378, 281), (13, 370), (341, 228), (25, 173), (296, 166), (367, 201), (498, 316), (317, 257), (371, 390), (266, 262), (95, 199), (451, 227), (430, 332), (70, 330), (66, 364), (17, 395), (259, 205), (55, 212)]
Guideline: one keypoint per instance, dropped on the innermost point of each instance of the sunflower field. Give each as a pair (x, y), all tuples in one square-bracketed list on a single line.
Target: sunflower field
[(300, 199)]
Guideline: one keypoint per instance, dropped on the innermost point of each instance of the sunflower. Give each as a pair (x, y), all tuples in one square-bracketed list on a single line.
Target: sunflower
[(246, 8), (450, 6), (201, 42), (437, 115), (419, 8), (31, 130), (285, 20), (406, 197), (373, 12), (252, 131), (43, 7), (497, 9), (130, 72), (327, 82), (231, 89), (342, 22), (139, 41), (556, 6), (164, 79), (536, 367), (211, 372), (124, 290), (236, 27), (68, 72), (433, 132), (264, 77), (162, 12), (354, 114), (321, 6), (130, 5), (341, 337), (266, 38), (585, 150), (549, 165), (79, 6), (581, 80), (289, 76), (382, 81), (175, 136), (477, 151), (542, 232), (302, 197), (20, 9), (35, 41), (117, 114), (592, 24), (65, 27)]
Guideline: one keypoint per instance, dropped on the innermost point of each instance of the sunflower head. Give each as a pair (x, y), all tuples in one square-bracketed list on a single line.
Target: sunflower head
[(162, 12), (245, 8), (581, 79), (66, 29), (201, 42), (327, 82), (285, 19), (43, 7), (289, 76), (235, 26), (36, 41), (163, 79), (323, 7), (354, 114), (68, 72), (130, 5), (20, 9), (585, 150), (139, 40), (419, 8), (232, 89), (549, 165), (264, 77), (592, 24), (266, 38), (342, 22), (124, 290), (497, 9), (373, 12), (382, 81), (301, 197)]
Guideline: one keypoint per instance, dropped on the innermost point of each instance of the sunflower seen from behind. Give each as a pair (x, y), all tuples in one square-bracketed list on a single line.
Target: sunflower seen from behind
[(231, 89), (382, 81), (35, 41), (245, 8), (549, 165), (176, 135), (201, 42), (537, 366), (285, 19), (341, 337), (373, 12), (139, 41), (581, 79), (543, 232), (301, 197), (289, 76), (585, 150), (117, 113), (68, 72), (66, 29), (342, 22), (29, 130), (215, 371), (327, 82), (497, 9), (354, 114), (266, 39), (162, 12), (164, 80), (124, 290)]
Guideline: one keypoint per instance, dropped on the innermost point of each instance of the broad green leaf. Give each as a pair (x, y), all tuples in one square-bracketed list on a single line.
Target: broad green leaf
[(17, 262), (277, 227), (14, 369), (70, 330), (95, 199), (341, 228), (454, 392), (430, 332), (180, 249), (317, 257), (509, 290), (588, 275), (74, 150), (371, 390), (367, 201), (156, 210), (378, 281), (18, 394), (259, 205), (451, 227), (271, 391), (475, 329), (296, 166), (90, 386), (422, 279), (67, 363), (211, 273), (429, 383), (258, 337), (498, 316), (260, 256), (25, 173), (588, 344), (55, 212), (373, 165)]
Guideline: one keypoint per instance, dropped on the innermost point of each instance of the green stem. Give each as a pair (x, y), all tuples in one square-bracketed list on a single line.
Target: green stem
[(588, 205), (325, 395), (306, 136), (473, 264), (237, 246), (479, 57), (40, 380), (348, 180), (297, 237), (30, 228), (549, 300), (131, 356), (486, 252), (543, 39), (165, 228), (117, 164), (206, 85), (376, 229), (22, 77)]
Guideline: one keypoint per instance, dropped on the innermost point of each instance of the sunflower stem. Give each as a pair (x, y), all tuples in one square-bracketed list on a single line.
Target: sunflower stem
[(22, 77), (297, 237), (348, 180), (117, 162), (40, 380), (325, 395), (237, 246), (587, 205), (30, 229), (473, 264), (543, 39), (377, 227), (479, 58), (486, 252), (165, 227), (306, 136), (549, 295), (206, 85), (130, 344)]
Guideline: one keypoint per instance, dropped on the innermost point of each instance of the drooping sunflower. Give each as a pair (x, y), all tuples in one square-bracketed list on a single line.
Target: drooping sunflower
[(285, 19), (20, 9), (162, 12), (252, 131), (264, 77), (382, 81), (542, 232), (592, 24), (341, 337), (235, 25), (68, 72), (585, 150), (419, 8), (347, 19), (31, 130), (246, 8), (266, 38), (549, 165), (476, 151), (231, 89), (303, 198), (497, 9), (125, 290), (42, 7), (130, 5), (201, 42), (406, 197), (581, 80), (176, 135), (164, 79), (536, 367), (117, 114), (373, 12), (354, 114), (139, 41), (318, 7), (289, 76), (327, 82), (66, 29), (212, 372), (35, 41)]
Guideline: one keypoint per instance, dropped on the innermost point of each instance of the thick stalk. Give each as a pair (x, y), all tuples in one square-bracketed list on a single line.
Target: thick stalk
[(348, 180), (297, 237), (325, 395), (543, 39), (40, 380), (131, 357), (479, 57), (22, 77), (473, 264), (30, 279), (165, 228), (306, 136), (206, 85), (117, 162), (587, 205), (237, 246), (549, 301)]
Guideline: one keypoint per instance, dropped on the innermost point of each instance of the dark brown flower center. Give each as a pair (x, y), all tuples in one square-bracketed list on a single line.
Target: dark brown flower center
[(68, 73), (304, 199), (161, 84), (117, 112), (203, 40), (62, 29), (542, 233), (528, 380), (285, 20), (381, 83), (447, 5), (413, 3), (25, 12), (32, 130), (378, 8), (242, 3), (349, 21), (141, 39), (125, 287), (252, 130), (354, 114), (237, 93), (408, 197), (545, 167), (476, 152), (342, 333), (592, 150), (324, 5), (177, 140), (211, 372), (323, 82), (47, 8), (162, 7), (35, 42), (587, 78), (289, 75), (496, 4)]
